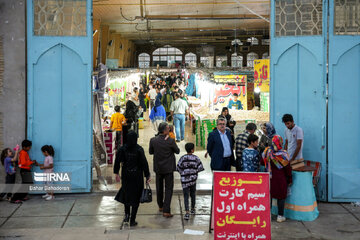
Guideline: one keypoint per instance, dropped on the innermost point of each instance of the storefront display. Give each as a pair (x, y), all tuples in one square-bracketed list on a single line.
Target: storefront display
[(216, 94)]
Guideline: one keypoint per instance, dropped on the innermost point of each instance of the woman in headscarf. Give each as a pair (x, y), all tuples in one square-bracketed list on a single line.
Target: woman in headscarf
[(230, 123), (142, 96), (157, 114), (134, 168), (131, 114), (266, 139), (277, 164)]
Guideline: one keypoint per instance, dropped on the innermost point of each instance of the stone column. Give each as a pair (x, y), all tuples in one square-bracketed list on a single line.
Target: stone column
[(244, 59), (228, 55)]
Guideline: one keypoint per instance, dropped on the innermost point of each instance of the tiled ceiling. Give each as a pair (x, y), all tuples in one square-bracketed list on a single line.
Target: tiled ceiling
[(184, 20)]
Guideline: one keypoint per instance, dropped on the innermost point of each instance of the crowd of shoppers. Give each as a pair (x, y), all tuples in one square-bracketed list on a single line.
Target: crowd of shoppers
[(167, 102), (163, 96), (271, 153)]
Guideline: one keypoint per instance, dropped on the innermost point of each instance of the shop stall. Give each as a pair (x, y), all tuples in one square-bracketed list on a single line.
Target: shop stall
[(215, 90)]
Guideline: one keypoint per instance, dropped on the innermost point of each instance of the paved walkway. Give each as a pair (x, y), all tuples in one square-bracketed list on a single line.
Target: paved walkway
[(204, 182), (95, 216)]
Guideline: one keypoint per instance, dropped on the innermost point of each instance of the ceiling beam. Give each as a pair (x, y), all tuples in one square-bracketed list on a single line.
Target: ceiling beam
[(179, 3), (204, 29), (230, 37), (177, 35), (200, 17)]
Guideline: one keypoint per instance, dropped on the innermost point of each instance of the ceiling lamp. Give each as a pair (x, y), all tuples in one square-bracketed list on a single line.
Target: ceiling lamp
[(236, 42)]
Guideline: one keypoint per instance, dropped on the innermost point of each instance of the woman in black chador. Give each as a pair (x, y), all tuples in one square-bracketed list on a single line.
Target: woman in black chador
[(134, 168)]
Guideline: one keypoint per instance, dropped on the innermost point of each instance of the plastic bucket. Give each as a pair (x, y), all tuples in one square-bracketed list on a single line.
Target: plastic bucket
[(141, 123)]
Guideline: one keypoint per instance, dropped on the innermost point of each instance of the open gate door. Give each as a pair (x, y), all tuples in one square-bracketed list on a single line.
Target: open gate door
[(344, 101), (59, 47), (298, 74)]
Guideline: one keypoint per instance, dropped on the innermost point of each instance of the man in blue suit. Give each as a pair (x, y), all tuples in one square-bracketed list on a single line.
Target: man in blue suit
[(220, 147)]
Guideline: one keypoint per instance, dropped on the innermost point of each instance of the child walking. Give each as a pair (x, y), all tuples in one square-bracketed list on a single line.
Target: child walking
[(48, 167), (8, 160), (250, 156), (189, 166)]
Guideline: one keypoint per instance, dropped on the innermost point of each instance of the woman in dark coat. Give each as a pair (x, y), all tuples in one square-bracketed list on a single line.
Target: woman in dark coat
[(277, 163), (134, 168), (131, 115), (230, 123), (142, 94)]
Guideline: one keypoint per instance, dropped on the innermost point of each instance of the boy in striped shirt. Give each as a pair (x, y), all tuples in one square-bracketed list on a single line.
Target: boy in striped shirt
[(189, 166)]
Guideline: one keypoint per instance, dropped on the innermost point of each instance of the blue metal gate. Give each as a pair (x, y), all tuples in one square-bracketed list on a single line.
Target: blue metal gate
[(59, 64), (344, 100), (298, 74)]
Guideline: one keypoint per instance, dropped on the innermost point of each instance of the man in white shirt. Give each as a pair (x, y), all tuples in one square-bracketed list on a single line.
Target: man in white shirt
[(178, 109), (294, 138), (152, 95)]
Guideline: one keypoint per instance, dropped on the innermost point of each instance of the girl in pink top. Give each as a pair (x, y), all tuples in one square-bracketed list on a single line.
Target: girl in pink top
[(48, 167)]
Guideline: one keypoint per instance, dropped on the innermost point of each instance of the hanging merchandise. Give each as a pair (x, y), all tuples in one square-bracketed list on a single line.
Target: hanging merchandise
[(214, 90), (197, 79), (191, 86)]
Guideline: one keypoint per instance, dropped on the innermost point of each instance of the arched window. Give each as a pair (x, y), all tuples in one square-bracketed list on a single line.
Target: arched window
[(167, 55), (236, 60), (144, 60), (253, 41), (190, 59), (221, 61), (265, 55), (205, 61), (250, 59)]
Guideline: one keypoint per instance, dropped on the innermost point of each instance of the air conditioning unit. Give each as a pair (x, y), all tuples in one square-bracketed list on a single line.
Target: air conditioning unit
[(244, 48)]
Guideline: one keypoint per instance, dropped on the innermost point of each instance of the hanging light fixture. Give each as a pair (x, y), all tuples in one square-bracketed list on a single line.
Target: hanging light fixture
[(236, 42)]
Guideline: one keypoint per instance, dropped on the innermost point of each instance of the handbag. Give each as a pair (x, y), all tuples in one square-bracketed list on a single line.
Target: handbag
[(146, 195)]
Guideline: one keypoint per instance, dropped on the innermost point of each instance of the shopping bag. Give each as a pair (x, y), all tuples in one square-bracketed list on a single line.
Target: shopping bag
[(146, 195)]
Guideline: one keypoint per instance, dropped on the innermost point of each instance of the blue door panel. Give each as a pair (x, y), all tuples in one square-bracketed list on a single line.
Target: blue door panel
[(80, 179), (298, 87), (47, 119), (344, 119), (344, 112), (59, 99), (74, 106), (287, 101)]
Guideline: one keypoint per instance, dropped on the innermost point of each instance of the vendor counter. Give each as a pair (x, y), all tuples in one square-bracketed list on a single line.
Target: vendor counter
[(301, 202)]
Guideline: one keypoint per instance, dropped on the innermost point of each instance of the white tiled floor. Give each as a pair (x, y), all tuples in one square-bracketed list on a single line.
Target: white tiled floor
[(205, 178)]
